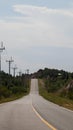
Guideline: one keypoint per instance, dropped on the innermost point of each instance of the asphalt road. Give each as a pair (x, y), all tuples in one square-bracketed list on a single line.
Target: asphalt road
[(22, 114), (59, 117)]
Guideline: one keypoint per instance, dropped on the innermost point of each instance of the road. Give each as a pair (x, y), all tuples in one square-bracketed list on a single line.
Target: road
[(33, 112)]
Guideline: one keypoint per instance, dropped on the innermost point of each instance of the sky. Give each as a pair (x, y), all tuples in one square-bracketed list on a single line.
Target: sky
[(37, 34)]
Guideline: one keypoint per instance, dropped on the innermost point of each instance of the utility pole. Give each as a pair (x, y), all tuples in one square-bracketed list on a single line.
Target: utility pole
[(9, 62), (1, 50), (14, 70), (27, 71), (20, 73)]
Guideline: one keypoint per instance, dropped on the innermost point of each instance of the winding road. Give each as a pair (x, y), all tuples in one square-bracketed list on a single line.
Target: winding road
[(33, 112)]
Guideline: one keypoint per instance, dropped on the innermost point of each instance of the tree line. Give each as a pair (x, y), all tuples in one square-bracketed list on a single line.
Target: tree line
[(10, 85)]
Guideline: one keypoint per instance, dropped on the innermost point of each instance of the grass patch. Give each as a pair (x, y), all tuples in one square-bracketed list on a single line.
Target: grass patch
[(12, 98), (54, 97)]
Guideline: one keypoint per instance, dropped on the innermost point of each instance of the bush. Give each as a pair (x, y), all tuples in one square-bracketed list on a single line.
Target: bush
[(4, 92), (70, 93), (18, 89)]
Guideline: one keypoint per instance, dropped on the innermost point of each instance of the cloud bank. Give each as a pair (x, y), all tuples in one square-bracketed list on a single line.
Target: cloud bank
[(38, 26), (29, 10)]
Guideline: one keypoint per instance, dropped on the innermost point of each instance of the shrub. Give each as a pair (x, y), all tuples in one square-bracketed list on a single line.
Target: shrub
[(4, 92)]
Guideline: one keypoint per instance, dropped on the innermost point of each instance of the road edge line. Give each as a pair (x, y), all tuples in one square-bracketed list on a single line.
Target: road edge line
[(43, 120)]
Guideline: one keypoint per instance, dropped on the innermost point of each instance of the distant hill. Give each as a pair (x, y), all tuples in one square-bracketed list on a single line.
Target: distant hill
[(56, 81)]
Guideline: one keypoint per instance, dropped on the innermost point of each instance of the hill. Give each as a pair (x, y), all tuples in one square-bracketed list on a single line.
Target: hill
[(57, 81)]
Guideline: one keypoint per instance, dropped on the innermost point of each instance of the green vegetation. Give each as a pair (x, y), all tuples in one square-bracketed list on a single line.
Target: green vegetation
[(54, 97), (57, 81), (12, 88), (56, 86)]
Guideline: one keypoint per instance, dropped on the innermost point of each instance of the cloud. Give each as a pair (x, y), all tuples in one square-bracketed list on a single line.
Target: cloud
[(37, 26), (28, 10), (47, 26)]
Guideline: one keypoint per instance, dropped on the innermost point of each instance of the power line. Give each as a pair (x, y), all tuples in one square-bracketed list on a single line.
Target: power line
[(9, 62), (1, 50)]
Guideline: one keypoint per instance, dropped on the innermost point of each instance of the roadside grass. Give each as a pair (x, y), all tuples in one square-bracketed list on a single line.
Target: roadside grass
[(54, 97), (12, 98)]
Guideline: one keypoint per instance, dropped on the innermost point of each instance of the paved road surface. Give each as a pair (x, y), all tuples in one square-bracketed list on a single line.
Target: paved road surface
[(21, 114), (59, 117)]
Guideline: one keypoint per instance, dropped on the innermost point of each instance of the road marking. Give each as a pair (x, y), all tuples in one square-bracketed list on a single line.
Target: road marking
[(43, 120)]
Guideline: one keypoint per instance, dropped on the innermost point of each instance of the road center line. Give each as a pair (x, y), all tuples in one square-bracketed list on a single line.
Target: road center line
[(43, 120)]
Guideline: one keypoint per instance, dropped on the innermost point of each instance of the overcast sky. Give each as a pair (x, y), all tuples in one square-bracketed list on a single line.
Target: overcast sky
[(37, 34)]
